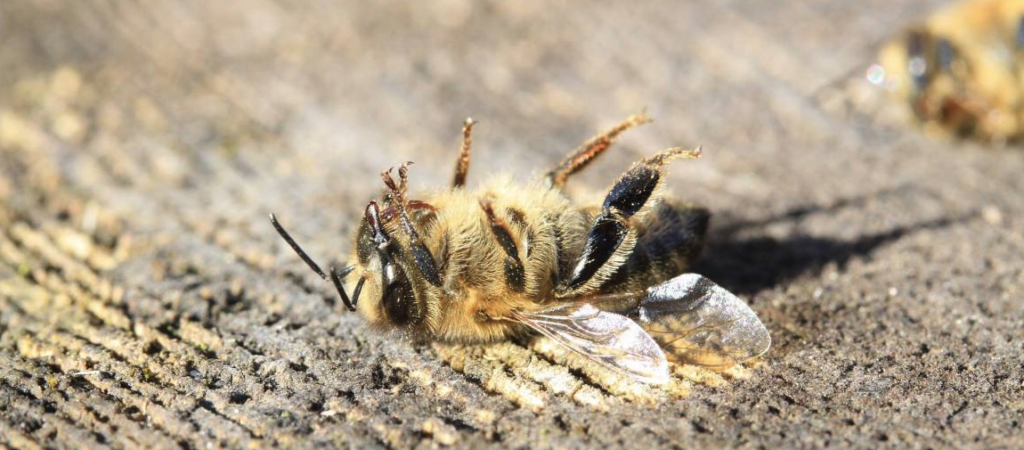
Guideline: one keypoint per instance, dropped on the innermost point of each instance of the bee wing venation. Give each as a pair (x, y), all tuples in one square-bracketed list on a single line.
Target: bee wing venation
[(709, 325), (612, 340)]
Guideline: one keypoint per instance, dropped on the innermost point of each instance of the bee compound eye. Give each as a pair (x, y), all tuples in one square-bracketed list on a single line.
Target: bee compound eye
[(399, 298)]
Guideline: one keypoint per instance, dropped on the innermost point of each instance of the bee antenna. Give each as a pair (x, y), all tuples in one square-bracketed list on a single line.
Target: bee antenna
[(359, 288), (336, 274)]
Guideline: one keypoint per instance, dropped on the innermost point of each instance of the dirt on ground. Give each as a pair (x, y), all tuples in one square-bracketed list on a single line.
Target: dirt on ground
[(146, 302)]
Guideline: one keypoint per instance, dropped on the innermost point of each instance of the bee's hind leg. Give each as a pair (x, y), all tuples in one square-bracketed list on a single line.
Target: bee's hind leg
[(591, 149), (612, 237)]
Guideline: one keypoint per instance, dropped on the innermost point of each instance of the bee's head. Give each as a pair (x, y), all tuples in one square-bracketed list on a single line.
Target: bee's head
[(392, 279), (395, 271), (910, 66)]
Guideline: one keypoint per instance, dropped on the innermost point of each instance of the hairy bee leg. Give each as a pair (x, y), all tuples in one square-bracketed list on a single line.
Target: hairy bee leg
[(462, 164), (420, 253), (389, 213), (515, 274), (612, 237), (670, 236), (591, 149)]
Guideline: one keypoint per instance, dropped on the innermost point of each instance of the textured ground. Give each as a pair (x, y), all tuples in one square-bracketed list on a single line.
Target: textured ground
[(146, 301)]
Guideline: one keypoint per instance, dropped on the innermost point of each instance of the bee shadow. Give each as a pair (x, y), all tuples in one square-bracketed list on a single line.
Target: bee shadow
[(748, 265)]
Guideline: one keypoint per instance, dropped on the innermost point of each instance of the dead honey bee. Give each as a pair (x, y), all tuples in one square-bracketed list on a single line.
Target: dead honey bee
[(512, 259), (961, 71)]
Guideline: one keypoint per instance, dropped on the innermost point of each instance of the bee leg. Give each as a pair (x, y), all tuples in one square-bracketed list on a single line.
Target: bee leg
[(612, 237), (420, 253), (462, 164), (670, 236), (388, 214), (589, 150), (515, 274)]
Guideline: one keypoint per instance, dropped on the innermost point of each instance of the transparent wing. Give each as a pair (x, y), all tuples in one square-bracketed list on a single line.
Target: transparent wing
[(698, 322), (612, 340)]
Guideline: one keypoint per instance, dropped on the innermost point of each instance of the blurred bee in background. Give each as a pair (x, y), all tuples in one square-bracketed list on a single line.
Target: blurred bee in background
[(510, 259), (961, 73)]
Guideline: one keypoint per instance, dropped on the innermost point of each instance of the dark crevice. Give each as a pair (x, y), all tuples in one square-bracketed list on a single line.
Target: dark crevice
[(209, 406)]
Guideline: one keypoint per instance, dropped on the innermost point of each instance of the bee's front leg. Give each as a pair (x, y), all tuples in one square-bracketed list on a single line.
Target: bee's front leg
[(421, 254), (612, 237)]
